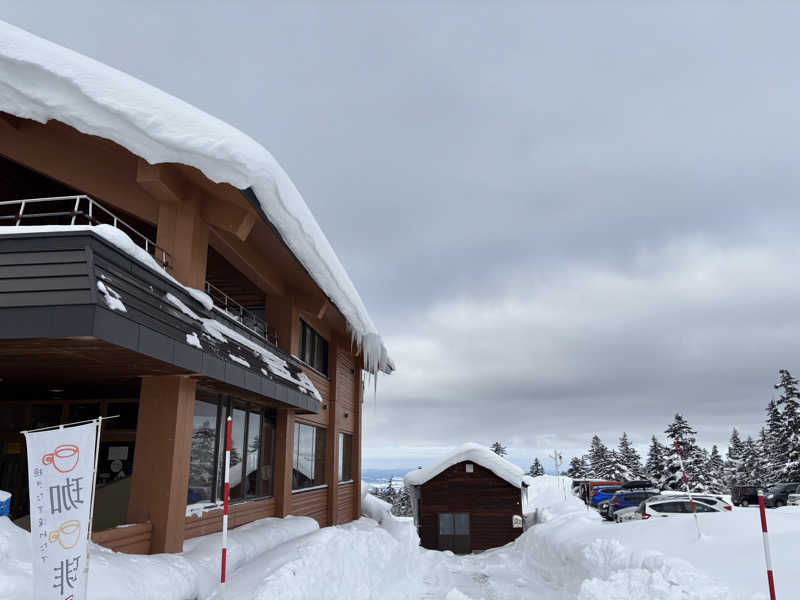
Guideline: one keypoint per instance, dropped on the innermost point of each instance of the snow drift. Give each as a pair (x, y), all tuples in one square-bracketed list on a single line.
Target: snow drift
[(40, 80)]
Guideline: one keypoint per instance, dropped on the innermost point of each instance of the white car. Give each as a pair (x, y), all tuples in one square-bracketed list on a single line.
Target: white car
[(668, 506), (793, 500), (628, 513)]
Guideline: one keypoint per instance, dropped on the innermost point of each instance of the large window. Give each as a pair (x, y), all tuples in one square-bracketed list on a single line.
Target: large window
[(252, 449), (313, 348), (308, 464), (345, 457)]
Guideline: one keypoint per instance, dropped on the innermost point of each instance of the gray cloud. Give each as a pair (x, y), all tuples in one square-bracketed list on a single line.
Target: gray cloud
[(566, 218)]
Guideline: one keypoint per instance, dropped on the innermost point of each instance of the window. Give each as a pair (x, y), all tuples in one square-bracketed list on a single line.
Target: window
[(345, 457), (308, 464), (313, 348), (252, 449)]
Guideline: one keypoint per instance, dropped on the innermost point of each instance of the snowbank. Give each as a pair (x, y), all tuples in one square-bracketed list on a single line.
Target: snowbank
[(191, 574), (40, 80)]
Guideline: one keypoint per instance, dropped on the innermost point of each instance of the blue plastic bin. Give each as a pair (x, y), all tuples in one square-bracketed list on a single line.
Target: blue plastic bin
[(5, 505)]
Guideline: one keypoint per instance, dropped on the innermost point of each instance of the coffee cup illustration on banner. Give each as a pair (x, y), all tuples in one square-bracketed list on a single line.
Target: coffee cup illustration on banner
[(64, 458), (67, 534)]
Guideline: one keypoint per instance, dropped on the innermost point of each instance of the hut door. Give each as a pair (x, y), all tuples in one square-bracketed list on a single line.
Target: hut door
[(454, 533)]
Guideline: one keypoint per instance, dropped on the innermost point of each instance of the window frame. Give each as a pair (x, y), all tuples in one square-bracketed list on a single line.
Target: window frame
[(296, 453), (225, 406), (308, 356), (340, 442)]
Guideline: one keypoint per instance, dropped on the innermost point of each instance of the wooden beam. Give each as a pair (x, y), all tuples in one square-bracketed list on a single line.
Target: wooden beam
[(10, 121), (161, 182), (227, 217), (248, 260)]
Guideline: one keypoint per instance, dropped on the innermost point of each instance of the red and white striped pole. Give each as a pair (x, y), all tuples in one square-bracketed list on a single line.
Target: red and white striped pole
[(688, 491), (767, 555), (226, 495)]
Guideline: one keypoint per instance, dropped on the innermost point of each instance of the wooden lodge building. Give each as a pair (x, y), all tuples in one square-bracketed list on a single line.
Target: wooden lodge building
[(471, 500), (158, 265)]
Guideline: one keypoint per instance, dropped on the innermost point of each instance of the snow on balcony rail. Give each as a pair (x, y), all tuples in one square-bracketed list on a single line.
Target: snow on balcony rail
[(77, 210), (238, 313)]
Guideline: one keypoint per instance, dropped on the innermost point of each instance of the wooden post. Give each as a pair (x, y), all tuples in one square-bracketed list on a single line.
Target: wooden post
[(284, 447), (358, 394), (332, 438), (160, 480), (184, 235)]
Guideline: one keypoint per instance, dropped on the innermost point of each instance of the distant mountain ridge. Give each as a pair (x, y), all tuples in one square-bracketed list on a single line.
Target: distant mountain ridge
[(383, 475)]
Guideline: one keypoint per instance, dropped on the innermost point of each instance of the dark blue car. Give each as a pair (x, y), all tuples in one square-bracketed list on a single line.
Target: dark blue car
[(601, 493), (626, 498)]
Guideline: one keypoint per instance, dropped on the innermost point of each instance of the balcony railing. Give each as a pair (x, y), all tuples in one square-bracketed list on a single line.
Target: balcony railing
[(84, 210), (76, 210), (241, 315)]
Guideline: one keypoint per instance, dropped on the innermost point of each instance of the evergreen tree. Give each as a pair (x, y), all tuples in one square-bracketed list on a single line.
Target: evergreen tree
[(615, 469), (536, 468), (629, 459), (762, 462), (788, 440), (656, 466), (598, 459), (715, 468), (735, 454), (401, 507), (682, 434), (747, 473), (578, 468), (772, 444), (499, 449)]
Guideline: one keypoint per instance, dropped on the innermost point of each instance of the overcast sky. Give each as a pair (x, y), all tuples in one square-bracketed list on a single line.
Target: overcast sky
[(563, 219)]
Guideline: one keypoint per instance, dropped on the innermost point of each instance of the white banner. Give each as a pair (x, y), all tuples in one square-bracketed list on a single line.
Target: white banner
[(60, 478)]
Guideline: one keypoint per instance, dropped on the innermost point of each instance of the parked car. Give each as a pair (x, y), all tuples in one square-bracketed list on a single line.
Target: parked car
[(639, 484), (793, 500), (744, 495), (668, 506), (778, 494), (602, 508), (601, 493), (621, 515), (624, 499)]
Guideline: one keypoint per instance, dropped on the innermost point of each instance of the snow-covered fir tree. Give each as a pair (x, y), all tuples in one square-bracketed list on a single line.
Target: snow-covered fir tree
[(629, 459), (401, 507), (734, 459), (598, 459), (578, 467), (536, 469), (682, 434), (715, 469), (748, 472), (615, 470), (788, 453), (656, 466), (772, 442), (499, 449)]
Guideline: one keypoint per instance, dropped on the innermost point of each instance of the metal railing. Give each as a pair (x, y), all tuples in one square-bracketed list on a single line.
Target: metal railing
[(241, 315), (78, 210)]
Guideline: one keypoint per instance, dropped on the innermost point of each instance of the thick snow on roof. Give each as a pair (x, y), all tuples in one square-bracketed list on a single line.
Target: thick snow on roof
[(473, 453), (40, 80)]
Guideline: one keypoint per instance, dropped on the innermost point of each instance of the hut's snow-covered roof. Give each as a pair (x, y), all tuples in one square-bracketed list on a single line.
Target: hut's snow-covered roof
[(40, 80), (471, 452)]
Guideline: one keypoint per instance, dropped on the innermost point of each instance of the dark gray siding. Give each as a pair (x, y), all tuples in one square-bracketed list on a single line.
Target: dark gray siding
[(48, 289)]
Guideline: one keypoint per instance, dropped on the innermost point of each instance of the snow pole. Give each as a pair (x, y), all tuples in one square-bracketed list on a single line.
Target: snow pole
[(767, 556), (688, 491), (226, 495)]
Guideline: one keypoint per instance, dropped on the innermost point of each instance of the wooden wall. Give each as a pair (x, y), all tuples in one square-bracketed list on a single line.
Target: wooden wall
[(313, 503), (490, 500), (345, 500), (131, 539), (240, 514)]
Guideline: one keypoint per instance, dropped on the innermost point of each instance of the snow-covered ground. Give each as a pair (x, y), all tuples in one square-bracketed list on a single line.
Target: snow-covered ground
[(570, 555)]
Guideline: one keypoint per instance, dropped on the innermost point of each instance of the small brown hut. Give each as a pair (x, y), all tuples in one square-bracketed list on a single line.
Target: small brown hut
[(469, 501)]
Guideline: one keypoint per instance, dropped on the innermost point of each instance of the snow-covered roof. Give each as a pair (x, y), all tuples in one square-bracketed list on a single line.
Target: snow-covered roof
[(471, 452), (40, 80)]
